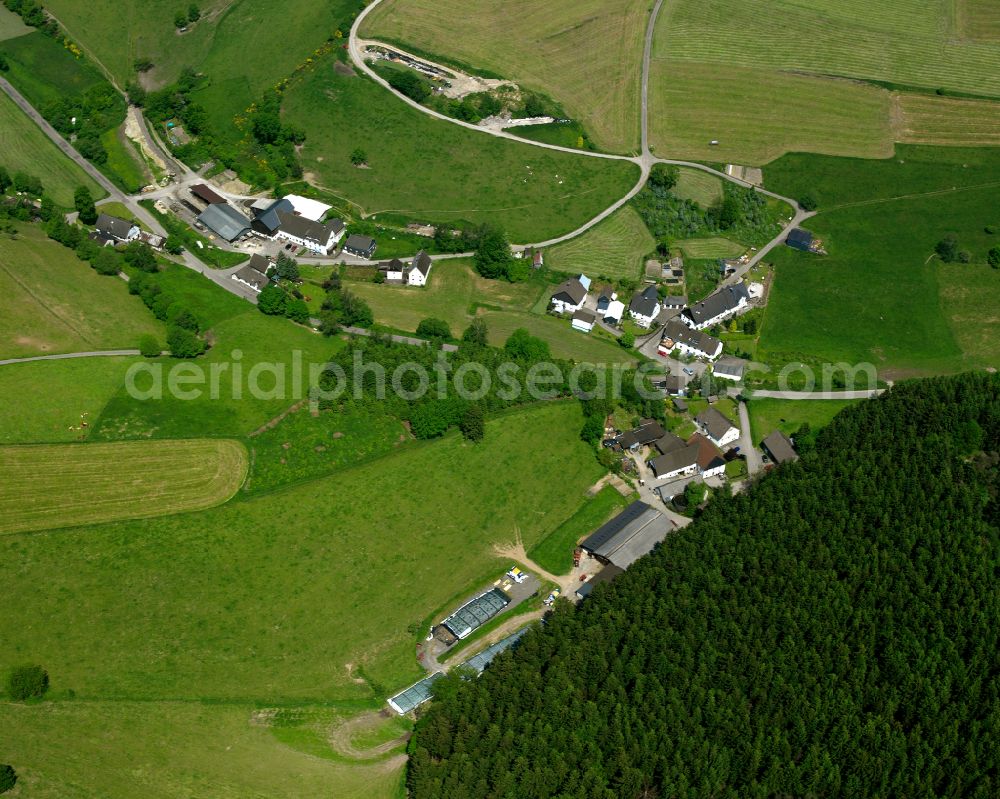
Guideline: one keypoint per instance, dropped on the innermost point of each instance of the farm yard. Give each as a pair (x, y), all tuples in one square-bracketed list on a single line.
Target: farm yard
[(24, 148), (532, 193), (52, 302), (48, 486), (585, 55), (614, 248)]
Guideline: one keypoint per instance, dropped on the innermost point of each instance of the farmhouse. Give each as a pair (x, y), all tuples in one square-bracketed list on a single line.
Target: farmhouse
[(688, 342), (648, 431), (726, 302), (116, 228), (225, 221), (644, 307), (613, 316), (717, 427), (779, 448), (265, 216), (476, 612), (393, 270), (254, 274), (206, 194), (306, 208), (318, 237), (627, 537), (729, 367), (569, 295), (711, 463), (676, 463), (362, 246), (584, 320), (419, 270)]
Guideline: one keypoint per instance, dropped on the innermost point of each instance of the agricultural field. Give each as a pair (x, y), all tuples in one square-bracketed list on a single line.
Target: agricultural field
[(55, 397), (768, 415), (49, 486), (979, 20), (586, 55), (11, 25), (821, 306), (92, 750), (713, 247), (615, 248), (52, 302), (974, 324), (278, 599), (455, 293), (929, 119), (24, 148), (757, 114), (698, 186), (432, 170)]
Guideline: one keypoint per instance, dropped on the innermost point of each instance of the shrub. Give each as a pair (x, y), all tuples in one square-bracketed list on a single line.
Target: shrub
[(27, 682), (359, 157), (8, 777), (993, 257), (149, 347), (627, 339), (473, 424), (808, 202), (947, 249), (434, 329), (184, 343), (664, 176)]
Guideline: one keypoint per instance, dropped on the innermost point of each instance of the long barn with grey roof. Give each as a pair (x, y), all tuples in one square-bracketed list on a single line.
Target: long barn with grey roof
[(630, 535)]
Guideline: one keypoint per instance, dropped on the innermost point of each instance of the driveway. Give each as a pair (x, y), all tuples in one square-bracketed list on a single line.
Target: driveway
[(754, 462)]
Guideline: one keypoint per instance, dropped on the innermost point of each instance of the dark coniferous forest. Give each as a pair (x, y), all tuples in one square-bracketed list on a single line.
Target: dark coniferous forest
[(833, 632)]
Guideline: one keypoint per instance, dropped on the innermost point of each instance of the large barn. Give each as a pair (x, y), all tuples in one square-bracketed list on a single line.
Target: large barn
[(630, 535)]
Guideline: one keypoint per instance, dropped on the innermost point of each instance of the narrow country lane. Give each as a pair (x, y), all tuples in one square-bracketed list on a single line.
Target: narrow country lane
[(67, 355)]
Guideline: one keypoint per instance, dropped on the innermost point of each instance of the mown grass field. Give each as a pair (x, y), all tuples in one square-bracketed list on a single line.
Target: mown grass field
[(714, 247), (11, 25), (585, 55), (615, 248), (877, 296), (270, 598), (768, 415), (929, 119), (433, 170), (456, 294), (757, 114), (979, 20), (974, 318), (52, 302), (698, 186), (48, 486), (24, 148), (161, 750), (554, 553), (54, 397)]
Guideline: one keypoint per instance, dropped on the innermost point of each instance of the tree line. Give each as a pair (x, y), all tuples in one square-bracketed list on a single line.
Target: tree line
[(831, 632)]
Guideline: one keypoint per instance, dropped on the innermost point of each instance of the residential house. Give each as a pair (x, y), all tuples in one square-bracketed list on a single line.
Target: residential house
[(729, 367), (676, 463), (668, 443), (569, 296), (648, 431), (318, 237), (613, 315), (393, 270), (672, 385), (723, 304), (628, 536), (254, 273), (605, 296), (680, 337), (670, 308), (206, 194), (584, 320), (711, 462), (779, 448), (419, 270), (645, 306), (225, 221), (362, 246), (717, 427), (116, 228)]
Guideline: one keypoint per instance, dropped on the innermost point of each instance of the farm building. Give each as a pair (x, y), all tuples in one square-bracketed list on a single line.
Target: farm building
[(116, 228), (605, 575), (312, 210), (254, 274), (648, 431), (723, 304), (717, 427), (473, 614), (206, 194), (711, 463), (362, 246), (676, 463), (672, 385), (265, 215), (225, 221), (627, 537), (799, 239), (584, 321), (729, 367), (415, 695), (779, 448), (412, 274), (478, 663), (318, 237), (569, 295)]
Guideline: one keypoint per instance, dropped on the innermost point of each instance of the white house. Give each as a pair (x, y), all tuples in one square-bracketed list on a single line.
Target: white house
[(419, 270), (727, 302), (584, 320), (688, 342), (569, 295), (645, 306), (716, 427), (711, 463), (605, 296), (729, 368), (614, 313), (321, 238), (254, 274), (678, 463)]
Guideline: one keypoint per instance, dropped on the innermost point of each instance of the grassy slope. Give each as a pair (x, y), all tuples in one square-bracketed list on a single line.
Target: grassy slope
[(434, 170), (586, 55), (65, 485), (768, 415), (55, 396), (52, 302), (24, 148), (928, 119), (555, 552), (698, 186), (877, 296), (615, 248), (454, 291), (271, 597)]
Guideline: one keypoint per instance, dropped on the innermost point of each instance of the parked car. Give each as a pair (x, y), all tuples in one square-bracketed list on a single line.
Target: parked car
[(688, 371), (552, 597), (517, 575)]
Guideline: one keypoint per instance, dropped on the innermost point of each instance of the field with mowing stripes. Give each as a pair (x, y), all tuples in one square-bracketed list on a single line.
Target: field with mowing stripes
[(52, 302), (715, 247), (24, 148), (929, 119), (48, 486), (698, 186), (979, 19), (614, 248), (586, 55)]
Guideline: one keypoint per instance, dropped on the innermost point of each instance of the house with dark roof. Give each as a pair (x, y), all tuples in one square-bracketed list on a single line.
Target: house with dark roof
[(729, 367), (631, 534), (672, 385), (584, 320), (614, 313), (318, 237), (254, 273), (362, 246), (648, 431), (723, 304), (606, 294), (669, 443), (711, 462), (116, 228), (799, 239), (676, 463), (568, 296), (778, 448), (645, 306), (206, 194), (265, 216), (717, 427), (419, 270), (687, 341), (225, 221)]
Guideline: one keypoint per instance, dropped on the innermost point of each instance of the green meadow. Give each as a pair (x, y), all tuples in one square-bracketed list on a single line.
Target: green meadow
[(614, 248), (768, 415)]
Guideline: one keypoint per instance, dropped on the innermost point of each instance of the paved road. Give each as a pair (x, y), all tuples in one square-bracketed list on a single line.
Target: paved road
[(66, 355), (754, 462)]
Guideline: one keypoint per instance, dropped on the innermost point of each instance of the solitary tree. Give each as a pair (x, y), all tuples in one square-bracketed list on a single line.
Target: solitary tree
[(8, 777), (473, 424), (493, 254), (664, 176), (84, 203), (808, 201), (476, 333), (627, 339), (947, 249), (272, 299), (194, 13), (434, 329), (359, 157), (180, 20), (286, 268), (707, 384), (27, 682)]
